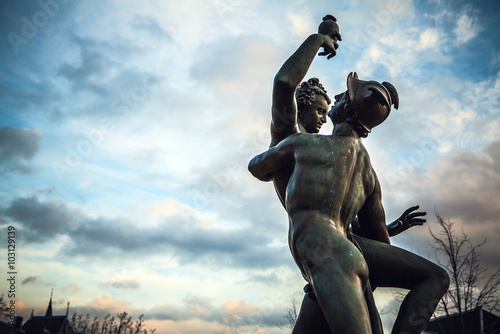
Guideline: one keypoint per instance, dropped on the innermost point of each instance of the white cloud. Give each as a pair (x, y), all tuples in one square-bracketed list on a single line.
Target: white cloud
[(167, 193), (467, 27), (429, 39), (302, 25)]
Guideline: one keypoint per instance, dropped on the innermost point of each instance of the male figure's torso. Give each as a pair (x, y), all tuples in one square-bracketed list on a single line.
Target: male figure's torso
[(332, 178)]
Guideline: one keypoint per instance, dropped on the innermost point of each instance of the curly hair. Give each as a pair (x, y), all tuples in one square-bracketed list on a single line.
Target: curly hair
[(306, 92)]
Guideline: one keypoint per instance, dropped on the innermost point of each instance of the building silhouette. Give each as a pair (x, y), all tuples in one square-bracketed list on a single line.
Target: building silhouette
[(477, 321), (49, 323)]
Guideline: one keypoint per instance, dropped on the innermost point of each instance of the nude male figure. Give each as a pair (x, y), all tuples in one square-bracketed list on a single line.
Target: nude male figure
[(332, 181), (303, 109), (307, 113)]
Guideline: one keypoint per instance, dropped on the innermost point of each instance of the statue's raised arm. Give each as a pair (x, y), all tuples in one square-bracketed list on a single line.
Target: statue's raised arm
[(284, 107), (300, 107)]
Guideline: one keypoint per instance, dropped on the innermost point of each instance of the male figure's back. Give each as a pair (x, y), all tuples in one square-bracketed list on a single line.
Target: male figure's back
[(331, 181), (332, 176)]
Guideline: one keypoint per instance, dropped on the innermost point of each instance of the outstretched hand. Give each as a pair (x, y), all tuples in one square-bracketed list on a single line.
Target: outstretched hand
[(330, 46), (408, 219)]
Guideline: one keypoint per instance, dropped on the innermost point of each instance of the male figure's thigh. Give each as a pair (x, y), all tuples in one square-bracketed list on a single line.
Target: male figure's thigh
[(391, 266), (321, 246)]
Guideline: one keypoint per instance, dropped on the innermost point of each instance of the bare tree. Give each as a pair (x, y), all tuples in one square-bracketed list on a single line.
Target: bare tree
[(4, 307), (94, 326), (109, 325), (470, 286), (290, 316)]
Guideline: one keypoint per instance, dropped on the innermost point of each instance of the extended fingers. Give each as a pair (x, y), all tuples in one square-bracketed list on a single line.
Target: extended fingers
[(413, 208), (328, 52), (416, 214), (417, 221), (332, 54)]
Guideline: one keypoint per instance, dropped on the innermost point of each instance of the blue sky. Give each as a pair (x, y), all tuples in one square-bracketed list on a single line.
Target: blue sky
[(126, 128)]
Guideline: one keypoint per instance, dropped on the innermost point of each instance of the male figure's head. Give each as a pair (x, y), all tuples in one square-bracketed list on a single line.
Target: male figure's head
[(364, 105), (312, 105)]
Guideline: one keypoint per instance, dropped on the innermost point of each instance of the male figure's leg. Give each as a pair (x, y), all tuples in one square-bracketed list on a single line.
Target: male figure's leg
[(311, 319), (338, 273), (391, 266)]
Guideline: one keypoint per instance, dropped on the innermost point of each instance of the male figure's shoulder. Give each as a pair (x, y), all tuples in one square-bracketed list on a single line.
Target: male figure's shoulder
[(300, 143), (313, 148), (303, 138), (365, 156)]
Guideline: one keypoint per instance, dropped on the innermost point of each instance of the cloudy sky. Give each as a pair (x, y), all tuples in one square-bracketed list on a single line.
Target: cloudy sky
[(126, 128)]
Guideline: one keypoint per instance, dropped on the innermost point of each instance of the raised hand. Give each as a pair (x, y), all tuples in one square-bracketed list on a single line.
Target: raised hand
[(408, 219), (330, 28), (330, 46)]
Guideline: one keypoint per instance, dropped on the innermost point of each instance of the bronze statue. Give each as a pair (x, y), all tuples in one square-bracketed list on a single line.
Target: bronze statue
[(311, 116)]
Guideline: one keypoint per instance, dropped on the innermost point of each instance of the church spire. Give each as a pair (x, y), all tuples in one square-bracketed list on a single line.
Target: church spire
[(49, 308)]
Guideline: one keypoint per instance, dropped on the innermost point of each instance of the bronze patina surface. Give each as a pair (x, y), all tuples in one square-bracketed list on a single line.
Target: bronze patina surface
[(324, 182)]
